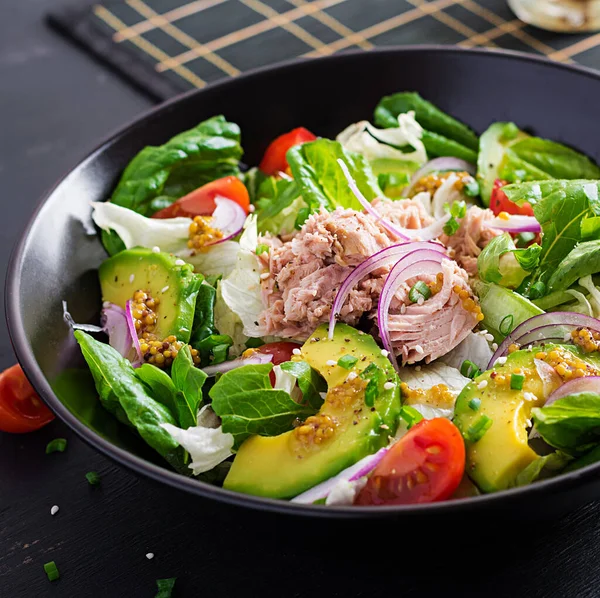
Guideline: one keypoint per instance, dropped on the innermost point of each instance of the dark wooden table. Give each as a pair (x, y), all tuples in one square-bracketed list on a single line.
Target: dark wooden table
[(55, 105)]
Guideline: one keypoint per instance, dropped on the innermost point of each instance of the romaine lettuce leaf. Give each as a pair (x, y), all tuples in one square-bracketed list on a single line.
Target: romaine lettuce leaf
[(278, 203), (583, 260), (543, 468)]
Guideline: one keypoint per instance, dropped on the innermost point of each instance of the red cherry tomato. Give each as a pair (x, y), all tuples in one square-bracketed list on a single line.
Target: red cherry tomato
[(500, 203), (21, 409), (274, 160), (201, 201), (281, 352), (425, 465)]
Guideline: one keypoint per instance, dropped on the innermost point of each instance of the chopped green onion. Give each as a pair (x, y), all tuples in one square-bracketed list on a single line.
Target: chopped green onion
[(347, 361), (458, 209), (303, 214), (419, 290), (165, 587), (469, 370), (262, 248), (509, 132), (451, 226), (220, 353), (254, 343), (506, 325), (516, 381), (479, 428), (537, 290), (58, 445), (373, 374), (471, 188), (51, 571), (93, 478), (523, 239), (410, 415), (474, 404)]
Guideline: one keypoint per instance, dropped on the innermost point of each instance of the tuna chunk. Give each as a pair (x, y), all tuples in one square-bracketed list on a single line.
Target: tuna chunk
[(472, 236), (405, 213)]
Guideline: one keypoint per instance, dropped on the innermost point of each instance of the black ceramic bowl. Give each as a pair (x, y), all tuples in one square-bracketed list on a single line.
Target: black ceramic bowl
[(57, 257)]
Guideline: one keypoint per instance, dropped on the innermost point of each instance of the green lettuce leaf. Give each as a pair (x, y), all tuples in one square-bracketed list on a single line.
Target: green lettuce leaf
[(543, 468), (247, 404), (321, 180), (189, 160), (311, 383), (278, 202), (116, 383), (570, 424), (583, 260), (189, 381), (559, 206)]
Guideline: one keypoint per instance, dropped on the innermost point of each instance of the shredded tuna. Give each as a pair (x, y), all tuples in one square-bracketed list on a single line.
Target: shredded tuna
[(405, 213), (472, 236)]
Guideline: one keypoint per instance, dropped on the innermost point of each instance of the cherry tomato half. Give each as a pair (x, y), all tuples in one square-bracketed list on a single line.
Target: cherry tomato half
[(201, 201), (21, 409), (500, 203), (425, 465), (281, 351), (275, 160)]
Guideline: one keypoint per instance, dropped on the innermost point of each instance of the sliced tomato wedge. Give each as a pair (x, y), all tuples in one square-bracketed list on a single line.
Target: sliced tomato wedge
[(275, 160), (425, 465), (201, 201), (21, 409), (281, 351), (499, 202)]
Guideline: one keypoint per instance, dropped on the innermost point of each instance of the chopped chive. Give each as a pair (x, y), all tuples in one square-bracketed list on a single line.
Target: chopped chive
[(537, 290), (262, 248), (471, 188), (419, 290), (474, 404), (509, 132), (458, 209), (516, 381), (506, 325), (373, 374), (479, 428), (58, 445), (93, 478), (451, 226), (51, 571), (469, 370), (165, 587), (220, 353), (410, 415), (254, 343), (347, 361)]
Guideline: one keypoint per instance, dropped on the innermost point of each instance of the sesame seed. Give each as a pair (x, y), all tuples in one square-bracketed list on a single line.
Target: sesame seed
[(501, 360), (384, 427), (494, 346), (352, 375), (418, 368), (420, 300), (389, 385), (54, 510), (156, 249), (331, 362), (483, 332), (131, 278), (297, 352), (179, 263), (489, 337), (149, 555), (403, 309), (265, 275), (419, 349), (482, 384), (384, 352), (164, 289), (251, 208)]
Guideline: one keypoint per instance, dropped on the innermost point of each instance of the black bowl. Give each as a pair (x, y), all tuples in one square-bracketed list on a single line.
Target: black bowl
[(57, 257)]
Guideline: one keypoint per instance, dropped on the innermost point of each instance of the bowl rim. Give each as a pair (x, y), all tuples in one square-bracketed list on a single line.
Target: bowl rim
[(160, 473)]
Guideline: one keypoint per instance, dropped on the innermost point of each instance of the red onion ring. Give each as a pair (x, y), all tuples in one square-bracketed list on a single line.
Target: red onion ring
[(354, 472), (377, 260), (545, 327), (400, 273), (515, 223), (227, 366), (575, 386), (228, 217), (114, 323), (437, 164), (133, 332)]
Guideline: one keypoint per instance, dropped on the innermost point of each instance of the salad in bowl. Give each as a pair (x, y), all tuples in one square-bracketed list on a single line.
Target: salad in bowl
[(404, 314)]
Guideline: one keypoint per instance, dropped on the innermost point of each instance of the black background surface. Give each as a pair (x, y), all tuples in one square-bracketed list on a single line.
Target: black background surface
[(55, 105)]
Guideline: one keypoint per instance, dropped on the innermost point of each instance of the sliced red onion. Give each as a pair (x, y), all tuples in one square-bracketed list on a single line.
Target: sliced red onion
[(354, 472), (227, 366), (380, 259), (575, 386), (139, 358), (441, 164), (114, 321), (550, 379), (551, 326), (400, 273), (515, 223), (228, 217)]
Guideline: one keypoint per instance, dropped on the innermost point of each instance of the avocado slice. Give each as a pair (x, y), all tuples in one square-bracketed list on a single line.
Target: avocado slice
[(162, 277), (495, 460), (284, 466)]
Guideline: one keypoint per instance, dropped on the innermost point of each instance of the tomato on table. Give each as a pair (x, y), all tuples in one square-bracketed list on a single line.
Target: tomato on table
[(201, 201), (425, 465), (275, 160), (499, 202), (21, 409), (281, 351)]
